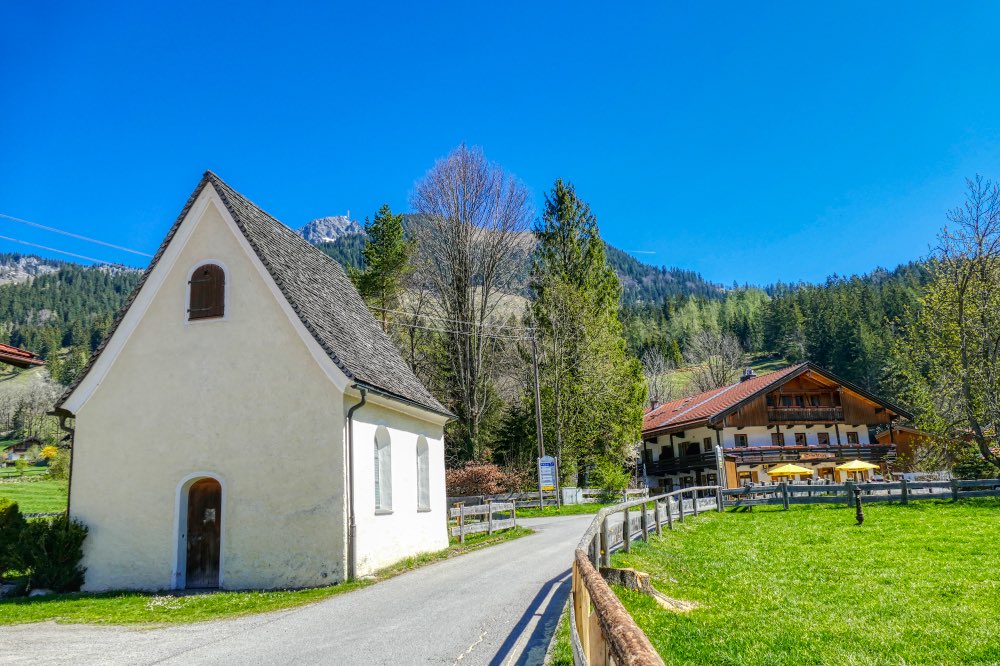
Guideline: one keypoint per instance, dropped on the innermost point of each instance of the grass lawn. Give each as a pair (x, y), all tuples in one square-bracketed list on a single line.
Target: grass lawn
[(167, 608), (564, 510), (44, 496), (915, 584)]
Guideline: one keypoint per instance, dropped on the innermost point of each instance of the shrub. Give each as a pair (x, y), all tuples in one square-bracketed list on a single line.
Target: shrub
[(11, 527), (59, 466), (609, 476), (52, 551), (479, 478)]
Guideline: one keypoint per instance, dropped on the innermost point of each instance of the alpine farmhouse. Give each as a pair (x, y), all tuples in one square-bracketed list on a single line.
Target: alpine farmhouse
[(733, 435), (242, 338)]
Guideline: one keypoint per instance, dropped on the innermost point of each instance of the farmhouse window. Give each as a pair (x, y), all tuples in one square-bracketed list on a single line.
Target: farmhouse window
[(852, 438), (823, 438), (708, 444), (423, 475), (800, 439), (208, 292), (741, 440), (777, 439), (383, 471)]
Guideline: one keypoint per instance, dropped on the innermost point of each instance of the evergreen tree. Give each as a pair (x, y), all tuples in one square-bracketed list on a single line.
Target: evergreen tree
[(593, 388), (387, 255)]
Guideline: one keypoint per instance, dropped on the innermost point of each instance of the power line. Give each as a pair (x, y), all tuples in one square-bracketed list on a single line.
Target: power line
[(453, 321), (52, 249), (446, 330), (73, 235)]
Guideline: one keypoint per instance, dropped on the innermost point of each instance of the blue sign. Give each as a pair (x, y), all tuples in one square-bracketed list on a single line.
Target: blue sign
[(547, 473)]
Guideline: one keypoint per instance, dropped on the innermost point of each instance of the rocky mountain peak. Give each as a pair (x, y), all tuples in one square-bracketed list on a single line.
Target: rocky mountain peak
[(329, 229)]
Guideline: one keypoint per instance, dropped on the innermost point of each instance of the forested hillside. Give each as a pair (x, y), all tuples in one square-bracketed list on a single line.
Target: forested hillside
[(69, 307)]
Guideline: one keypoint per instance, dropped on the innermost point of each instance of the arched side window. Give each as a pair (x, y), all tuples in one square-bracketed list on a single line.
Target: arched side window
[(208, 292), (423, 475), (383, 471)]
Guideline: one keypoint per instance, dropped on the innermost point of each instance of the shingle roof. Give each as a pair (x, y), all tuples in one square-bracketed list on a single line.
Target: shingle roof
[(320, 293), (698, 409)]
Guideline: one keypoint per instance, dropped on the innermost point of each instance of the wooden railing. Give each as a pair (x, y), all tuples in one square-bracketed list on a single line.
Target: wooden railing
[(797, 414), (602, 631), (755, 455), (481, 518), (904, 492)]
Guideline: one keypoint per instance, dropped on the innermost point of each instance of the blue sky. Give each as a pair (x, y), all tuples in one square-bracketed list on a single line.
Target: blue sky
[(749, 141)]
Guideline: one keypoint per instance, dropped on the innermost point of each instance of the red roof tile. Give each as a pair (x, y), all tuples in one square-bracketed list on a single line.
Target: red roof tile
[(19, 357), (698, 409)]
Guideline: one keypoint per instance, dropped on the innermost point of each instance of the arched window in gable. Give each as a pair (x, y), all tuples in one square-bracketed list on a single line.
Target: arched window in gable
[(208, 292)]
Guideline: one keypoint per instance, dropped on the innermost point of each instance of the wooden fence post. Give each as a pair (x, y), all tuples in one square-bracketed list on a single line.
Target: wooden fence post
[(645, 524), (904, 492), (489, 516), (513, 513), (849, 485), (680, 506), (784, 494), (626, 532), (605, 544), (670, 515), (657, 518), (954, 490), (694, 502), (461, 521), (720, 504)]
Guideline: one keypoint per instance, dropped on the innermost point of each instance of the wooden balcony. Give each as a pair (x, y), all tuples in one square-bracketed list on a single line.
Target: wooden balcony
[(681, 464), (756, 455), (805, 414)]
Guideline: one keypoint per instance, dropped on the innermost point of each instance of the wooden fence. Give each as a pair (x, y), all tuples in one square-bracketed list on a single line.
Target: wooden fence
[(481, 518), (602, 631), (521, 500), (786, 494)]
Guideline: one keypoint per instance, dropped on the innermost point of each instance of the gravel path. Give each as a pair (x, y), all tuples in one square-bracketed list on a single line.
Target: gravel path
[(499, 605)]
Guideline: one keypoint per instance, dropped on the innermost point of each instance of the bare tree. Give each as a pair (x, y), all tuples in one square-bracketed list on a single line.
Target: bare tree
[(471, 244), (955, 343), (657, 368), (717, 359)]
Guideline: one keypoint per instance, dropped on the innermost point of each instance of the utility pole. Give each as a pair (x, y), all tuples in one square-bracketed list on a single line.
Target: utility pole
[(538, 419)]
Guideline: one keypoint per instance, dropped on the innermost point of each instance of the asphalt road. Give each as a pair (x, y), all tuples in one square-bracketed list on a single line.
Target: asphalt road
[(499, 605)]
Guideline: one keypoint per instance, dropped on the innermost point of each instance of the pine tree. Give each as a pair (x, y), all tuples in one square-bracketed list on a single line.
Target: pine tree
[(593, 388), (387, 255)]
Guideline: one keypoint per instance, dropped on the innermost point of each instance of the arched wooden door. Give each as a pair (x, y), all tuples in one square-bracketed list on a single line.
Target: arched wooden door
[(204, 522)]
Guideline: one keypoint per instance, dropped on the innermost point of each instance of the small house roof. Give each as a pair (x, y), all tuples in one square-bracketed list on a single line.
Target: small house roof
[(318, 290), (22, 358)]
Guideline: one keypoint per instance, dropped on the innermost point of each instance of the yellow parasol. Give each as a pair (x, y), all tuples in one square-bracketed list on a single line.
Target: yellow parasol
[(856, 466), (789, 470)]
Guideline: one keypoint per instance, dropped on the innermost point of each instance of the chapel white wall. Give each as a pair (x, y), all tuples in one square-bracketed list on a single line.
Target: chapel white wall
[(242, 399), (384, 538)]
